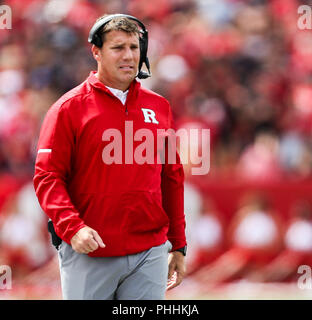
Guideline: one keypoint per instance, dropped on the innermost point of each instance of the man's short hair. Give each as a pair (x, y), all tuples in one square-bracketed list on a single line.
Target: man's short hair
[(118, 24)]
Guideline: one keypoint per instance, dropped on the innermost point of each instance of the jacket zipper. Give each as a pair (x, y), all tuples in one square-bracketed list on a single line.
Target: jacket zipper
[(126, 109)]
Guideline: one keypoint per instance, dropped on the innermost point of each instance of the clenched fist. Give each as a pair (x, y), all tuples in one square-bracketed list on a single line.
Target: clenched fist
[(86, 240)]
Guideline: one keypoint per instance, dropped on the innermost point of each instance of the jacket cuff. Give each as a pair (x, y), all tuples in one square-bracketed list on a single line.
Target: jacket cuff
[(67, 236), (177, 243)]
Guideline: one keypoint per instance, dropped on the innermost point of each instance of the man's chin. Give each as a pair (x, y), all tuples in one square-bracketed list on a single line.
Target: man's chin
[(128, 77)]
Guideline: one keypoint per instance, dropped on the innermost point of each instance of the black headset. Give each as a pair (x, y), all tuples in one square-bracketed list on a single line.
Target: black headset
[(96, 39)]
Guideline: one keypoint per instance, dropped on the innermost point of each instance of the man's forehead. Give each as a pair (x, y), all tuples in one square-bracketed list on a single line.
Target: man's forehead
[(115, 36)]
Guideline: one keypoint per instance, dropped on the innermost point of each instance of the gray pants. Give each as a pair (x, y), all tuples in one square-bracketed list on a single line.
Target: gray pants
[(141, 276)]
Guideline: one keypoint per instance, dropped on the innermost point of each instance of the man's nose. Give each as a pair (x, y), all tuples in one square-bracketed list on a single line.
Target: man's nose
[(128, 54)]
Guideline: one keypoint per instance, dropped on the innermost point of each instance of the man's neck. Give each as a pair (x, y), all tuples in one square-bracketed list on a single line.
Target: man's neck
[(110, 85), (116, 90)]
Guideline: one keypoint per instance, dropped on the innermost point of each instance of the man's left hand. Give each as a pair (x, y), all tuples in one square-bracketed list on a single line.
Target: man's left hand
[(176, 270)]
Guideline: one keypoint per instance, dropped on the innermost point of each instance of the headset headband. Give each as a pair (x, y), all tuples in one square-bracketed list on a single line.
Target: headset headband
[(97, 40)]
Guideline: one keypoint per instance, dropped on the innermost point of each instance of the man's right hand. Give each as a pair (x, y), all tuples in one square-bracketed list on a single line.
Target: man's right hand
[(86, 240)]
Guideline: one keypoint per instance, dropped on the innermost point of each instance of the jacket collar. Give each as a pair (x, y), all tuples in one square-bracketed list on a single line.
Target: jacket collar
[(96, 83)]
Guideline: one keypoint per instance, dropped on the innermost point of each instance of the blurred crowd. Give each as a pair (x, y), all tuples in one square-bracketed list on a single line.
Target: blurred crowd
[(240, 68)]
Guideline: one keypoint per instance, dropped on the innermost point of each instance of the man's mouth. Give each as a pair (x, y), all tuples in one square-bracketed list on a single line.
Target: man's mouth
[(126, 67)]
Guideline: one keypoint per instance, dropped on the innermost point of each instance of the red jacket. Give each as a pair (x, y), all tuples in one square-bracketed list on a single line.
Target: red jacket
[(132, 206)]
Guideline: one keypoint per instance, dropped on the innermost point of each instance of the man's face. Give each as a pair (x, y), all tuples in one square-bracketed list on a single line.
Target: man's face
[(118, 59)]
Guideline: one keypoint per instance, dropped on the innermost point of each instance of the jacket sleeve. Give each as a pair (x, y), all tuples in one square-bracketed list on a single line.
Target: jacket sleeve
[(172, 187), (52, 168)]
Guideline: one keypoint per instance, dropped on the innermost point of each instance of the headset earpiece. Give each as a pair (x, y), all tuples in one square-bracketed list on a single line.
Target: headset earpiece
[(97, 41)]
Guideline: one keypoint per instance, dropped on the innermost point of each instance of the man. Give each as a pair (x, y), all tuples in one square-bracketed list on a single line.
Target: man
[(117, 219)]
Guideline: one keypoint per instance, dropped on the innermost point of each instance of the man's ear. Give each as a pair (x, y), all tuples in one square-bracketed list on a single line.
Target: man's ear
[(96, 52)]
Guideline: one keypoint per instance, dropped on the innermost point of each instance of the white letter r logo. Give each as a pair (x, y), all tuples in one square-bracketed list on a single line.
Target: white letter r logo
[(149, 116)]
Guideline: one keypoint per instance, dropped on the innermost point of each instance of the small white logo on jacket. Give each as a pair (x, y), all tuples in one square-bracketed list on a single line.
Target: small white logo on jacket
[(149, 116)]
